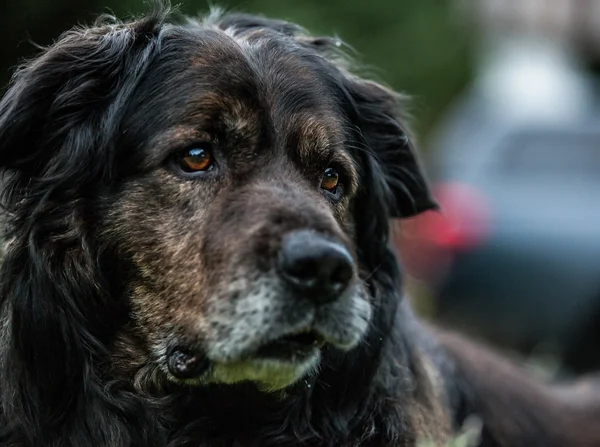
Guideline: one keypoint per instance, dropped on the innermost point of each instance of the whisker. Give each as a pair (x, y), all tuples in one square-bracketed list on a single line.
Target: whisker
[(372, 272)]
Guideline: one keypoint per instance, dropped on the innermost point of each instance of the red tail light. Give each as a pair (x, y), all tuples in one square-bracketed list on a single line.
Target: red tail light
[(462, 222), (428, 241)]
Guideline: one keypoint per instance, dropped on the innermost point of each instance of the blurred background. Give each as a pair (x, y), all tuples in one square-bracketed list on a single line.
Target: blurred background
[(507, 109)]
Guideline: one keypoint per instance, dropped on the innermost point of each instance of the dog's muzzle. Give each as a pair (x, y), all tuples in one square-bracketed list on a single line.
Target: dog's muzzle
[(315, 274)]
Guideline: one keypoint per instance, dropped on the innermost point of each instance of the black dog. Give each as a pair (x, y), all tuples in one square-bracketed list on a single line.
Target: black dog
[(197, 254)]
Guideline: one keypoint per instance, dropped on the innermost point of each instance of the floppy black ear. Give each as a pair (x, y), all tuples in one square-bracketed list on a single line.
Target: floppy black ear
[(384, 128), (72, 84), (56, 123)]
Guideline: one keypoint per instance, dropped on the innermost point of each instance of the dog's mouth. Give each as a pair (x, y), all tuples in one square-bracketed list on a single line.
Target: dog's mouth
[(291, 347), (295, 348)]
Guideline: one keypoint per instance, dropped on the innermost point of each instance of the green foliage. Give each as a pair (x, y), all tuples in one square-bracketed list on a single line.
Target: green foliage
[(415, 46)]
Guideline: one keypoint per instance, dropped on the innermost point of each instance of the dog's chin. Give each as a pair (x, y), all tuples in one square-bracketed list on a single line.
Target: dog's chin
[(269, 374)]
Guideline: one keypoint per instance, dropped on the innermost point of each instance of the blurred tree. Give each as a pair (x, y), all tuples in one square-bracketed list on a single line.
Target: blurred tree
[(416, 45)]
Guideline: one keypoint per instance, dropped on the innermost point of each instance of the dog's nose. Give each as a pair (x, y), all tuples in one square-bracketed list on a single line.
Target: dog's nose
[(317, 267)]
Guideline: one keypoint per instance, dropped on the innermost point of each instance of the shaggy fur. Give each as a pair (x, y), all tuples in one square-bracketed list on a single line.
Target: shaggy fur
[(115, 257)]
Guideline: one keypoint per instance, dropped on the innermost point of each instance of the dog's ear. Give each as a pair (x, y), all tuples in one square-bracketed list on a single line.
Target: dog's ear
[(56, 123), (379, 116), (77, 83)]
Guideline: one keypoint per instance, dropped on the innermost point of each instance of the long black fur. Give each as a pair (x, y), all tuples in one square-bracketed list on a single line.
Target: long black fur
[(60, 292)]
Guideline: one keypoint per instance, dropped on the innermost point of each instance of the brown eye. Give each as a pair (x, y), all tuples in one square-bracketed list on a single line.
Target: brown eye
[(195, 159), (330, 180)]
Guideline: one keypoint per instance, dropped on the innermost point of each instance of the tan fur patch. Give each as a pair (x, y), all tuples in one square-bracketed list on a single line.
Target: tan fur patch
[(429, 415)]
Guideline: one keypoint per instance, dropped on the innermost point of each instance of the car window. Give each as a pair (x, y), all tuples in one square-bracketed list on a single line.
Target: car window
[(553, 153)]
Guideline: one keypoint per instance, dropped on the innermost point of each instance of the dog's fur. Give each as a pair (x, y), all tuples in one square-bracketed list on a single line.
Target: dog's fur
[(113, 255)]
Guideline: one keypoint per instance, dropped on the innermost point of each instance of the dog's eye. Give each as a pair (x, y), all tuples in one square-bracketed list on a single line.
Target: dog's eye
[(195, 159), (330, 180)]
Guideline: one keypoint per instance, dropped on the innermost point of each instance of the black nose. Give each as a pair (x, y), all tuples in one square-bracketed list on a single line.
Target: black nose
[(315, 266)]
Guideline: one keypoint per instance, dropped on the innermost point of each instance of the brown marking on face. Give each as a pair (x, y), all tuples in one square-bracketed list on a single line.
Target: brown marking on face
[(314, 135), (215, 48)]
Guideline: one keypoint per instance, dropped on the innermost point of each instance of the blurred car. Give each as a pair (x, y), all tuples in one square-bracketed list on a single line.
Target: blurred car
[(515, 253)]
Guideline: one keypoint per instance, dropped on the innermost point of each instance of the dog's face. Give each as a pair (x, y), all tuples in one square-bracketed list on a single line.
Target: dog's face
[(239, 223), (232, 166)]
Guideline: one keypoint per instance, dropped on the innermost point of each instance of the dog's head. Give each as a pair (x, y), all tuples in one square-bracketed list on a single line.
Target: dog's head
[(218, 190)]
